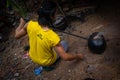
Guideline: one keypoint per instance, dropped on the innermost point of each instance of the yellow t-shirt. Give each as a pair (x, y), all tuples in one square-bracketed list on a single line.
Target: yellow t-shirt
[(41, 44)]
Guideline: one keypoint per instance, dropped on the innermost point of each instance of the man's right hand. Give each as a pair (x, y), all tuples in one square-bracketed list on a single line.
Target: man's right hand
[(80, 56)]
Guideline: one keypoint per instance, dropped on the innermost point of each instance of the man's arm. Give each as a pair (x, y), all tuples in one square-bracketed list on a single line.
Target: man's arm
[(21, 29), (66, 56)]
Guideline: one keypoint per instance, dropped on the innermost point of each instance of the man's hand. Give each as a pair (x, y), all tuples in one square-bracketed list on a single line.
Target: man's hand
[(22, 21), (80, 56)]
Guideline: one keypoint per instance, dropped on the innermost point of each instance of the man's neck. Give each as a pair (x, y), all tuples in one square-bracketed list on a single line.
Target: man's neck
[(45, 28)]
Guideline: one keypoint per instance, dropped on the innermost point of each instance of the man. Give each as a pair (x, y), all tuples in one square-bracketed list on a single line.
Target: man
[(44, 43)]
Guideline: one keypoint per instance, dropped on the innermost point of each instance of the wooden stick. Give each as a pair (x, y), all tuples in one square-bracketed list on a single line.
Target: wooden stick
[(60, 8)]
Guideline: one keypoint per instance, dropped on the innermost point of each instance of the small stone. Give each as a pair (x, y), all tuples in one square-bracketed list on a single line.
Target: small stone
[(55, 74), (90, 68), (16, 74), (69, 70)]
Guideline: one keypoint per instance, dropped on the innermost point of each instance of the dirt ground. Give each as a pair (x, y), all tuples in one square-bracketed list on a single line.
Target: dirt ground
[(14, 65)]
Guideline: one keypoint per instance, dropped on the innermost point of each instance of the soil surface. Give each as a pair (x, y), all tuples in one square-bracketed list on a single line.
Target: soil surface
[(15, 65)]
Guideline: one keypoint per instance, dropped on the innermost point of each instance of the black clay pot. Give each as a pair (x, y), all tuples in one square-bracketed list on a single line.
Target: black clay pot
[(60, 23), (97, 43)]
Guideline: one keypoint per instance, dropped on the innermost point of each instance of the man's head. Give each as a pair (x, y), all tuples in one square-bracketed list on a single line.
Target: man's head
[(43, 22), (47, 12), (48, 9)]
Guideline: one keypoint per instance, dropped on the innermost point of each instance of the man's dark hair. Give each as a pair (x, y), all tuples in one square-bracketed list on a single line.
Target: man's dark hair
[(48, 4), (47, 10), (43, 21), (49, 7)]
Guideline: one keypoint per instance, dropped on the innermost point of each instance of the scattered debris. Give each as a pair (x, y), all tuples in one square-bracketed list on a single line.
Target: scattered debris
[(26, 55), (90, 69), (16, 74), (98, 27), (38, 71), (23, 70)]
